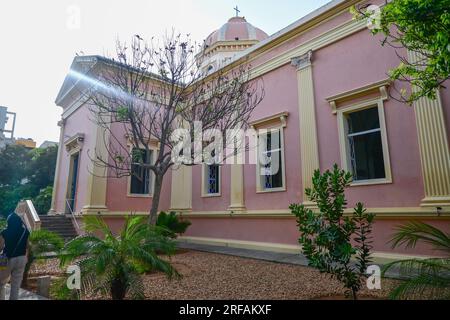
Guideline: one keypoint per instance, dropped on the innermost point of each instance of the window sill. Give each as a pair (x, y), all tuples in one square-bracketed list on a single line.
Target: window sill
[(370, 182), (271, 190), (145, 196), (215, 195)]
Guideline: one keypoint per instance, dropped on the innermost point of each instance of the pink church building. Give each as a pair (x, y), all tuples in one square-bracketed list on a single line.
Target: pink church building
[(327, 97)]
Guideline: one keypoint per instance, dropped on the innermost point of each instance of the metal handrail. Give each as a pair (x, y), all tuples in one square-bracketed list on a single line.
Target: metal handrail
[(74, 219)]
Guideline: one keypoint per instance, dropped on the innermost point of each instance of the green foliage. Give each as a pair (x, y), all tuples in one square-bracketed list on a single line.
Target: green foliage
[(41, 242), (172, 224), (11, 195), (2, 223), (41, 170), (14, 161), (23, 174), (422, 27), (327, 236), (60, 291), (42, 202), (113, 264), (122, 113), (424, 278)]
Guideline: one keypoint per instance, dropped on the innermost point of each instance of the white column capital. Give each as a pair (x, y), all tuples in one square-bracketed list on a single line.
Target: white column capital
[(303, 61)]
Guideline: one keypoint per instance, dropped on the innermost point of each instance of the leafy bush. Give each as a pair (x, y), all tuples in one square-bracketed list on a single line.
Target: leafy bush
[(327, 235), (41, 242), (43, 201), (23, 174), (424, 278), (172, 224), (421, 27), (60, 291), (10, 196), (113, 264), (2, 223)]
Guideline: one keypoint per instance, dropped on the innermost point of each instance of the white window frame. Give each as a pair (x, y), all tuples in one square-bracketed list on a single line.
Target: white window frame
[(205, 193), (344, 144), (152, 176), (259, 181)]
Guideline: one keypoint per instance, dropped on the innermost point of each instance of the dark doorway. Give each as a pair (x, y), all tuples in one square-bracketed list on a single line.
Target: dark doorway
[(73, 179)]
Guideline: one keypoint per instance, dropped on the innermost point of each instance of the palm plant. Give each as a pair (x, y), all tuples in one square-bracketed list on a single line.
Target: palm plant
[(424, 278), (113, 264), (41, 242), (172, 224)]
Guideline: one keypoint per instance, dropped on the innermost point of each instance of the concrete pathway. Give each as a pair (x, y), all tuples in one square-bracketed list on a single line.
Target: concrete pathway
[(25, 295), (277, 257)]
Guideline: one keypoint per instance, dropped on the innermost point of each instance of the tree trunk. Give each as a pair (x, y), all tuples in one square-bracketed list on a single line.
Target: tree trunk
[(118, 289), (155, 201), (354, 294)]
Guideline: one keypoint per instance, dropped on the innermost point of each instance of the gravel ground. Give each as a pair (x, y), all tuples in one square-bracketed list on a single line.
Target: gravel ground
[(208, 276)]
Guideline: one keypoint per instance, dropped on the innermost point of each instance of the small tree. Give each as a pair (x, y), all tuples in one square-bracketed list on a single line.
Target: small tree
[(148, 91), (423, 28), (329, 238), (43, 201), (172, 224), (113, 264)]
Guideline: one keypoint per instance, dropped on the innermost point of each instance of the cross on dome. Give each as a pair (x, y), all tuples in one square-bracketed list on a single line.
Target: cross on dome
[(237, 11)]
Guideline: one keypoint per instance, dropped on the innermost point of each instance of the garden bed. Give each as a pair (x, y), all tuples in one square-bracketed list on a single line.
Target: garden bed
[(215, 276)]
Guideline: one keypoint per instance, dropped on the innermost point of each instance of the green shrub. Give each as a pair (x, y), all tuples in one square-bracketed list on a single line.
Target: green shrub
[(43, 201), (60, 291), (41, 242), (172, 224), (2, 223), (113, 264), (327, 235)]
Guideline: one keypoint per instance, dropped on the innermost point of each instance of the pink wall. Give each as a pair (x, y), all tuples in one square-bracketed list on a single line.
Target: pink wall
[(210, 203), (280, 87), (348, 64), (78, 122), (116, 194), (352, 62), (285, 231)]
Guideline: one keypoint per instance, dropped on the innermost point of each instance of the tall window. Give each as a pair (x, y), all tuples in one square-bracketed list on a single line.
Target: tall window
[(140, 177), (271, 160), (212, 179), (365, 144)]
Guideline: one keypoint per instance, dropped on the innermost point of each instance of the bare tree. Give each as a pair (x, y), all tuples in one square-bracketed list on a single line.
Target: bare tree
[(149, 90)]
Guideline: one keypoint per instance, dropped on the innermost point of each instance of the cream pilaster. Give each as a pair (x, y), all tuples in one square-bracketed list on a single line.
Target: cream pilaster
[(309, 151), (181, 195), (97, 179), (58, 160), (434, 149), (237, 188)]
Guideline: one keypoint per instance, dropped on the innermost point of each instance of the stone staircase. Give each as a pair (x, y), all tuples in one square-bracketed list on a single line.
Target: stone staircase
[(60, 224)]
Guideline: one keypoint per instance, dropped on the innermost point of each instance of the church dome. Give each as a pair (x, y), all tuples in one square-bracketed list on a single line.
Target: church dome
[(236, 29)]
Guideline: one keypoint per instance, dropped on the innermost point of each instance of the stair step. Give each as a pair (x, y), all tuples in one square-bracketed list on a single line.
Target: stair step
[(61, 225)]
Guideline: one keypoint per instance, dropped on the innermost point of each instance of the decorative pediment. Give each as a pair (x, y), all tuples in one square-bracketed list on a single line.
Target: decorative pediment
[(75, 143), (379, 88), (152, 142), (277, 120)]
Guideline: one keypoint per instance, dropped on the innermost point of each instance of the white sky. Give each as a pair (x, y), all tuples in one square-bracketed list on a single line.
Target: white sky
[(38, 40)]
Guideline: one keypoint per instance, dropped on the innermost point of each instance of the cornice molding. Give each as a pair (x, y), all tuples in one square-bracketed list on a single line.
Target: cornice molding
[(379, 87)]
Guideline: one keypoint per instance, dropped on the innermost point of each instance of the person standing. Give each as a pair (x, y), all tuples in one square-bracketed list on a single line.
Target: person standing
[(14, 241)]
